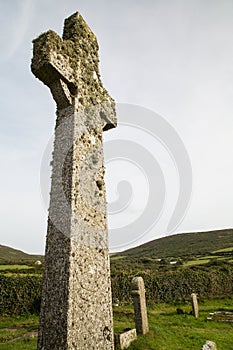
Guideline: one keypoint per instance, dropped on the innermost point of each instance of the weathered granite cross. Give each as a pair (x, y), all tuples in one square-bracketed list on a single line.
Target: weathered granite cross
[(76, 309)]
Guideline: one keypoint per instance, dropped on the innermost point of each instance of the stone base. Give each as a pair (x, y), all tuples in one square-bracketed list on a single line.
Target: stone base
[(221, 316), (123, 340), (209, 345)]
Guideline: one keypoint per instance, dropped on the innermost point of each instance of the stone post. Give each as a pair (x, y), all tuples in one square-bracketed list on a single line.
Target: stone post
[(140, 311), (76, 307), (195, 305)]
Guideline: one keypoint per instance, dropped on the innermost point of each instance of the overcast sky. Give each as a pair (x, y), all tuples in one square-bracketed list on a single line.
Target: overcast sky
[(174, 57)]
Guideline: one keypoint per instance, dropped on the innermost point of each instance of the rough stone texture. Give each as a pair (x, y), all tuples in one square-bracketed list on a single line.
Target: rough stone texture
[(76, 309), (123, 340), (195, 305), (209, 345), (140, 311), (221, 316)]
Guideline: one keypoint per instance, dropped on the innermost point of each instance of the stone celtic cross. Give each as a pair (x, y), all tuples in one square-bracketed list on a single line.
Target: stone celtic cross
[(76, 308)]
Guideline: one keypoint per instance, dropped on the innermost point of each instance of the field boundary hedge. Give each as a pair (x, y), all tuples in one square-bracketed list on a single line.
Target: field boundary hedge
[(19, 294), (22, 294), (176, 286)]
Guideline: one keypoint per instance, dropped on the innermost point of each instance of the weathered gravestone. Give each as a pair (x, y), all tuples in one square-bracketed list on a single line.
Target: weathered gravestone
[(124, 340), (140, 311), (76, 309), (195, 307), (209, 345)]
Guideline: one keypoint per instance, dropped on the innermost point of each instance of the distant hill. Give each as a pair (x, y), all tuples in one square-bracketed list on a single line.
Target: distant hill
[(174, 246), (11, 255), (181, 245)]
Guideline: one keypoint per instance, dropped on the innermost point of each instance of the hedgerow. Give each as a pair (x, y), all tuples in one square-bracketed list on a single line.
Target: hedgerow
[(20, 294)]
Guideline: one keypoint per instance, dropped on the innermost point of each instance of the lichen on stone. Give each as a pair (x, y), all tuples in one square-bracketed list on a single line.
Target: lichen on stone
[(79, 45)]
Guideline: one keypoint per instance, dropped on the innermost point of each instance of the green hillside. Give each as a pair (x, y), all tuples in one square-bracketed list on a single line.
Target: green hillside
[(195, 244), (183, 245), (11, 255)]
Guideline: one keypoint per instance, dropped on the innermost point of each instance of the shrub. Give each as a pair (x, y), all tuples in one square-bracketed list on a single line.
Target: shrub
[(176, 285), (19, 294)]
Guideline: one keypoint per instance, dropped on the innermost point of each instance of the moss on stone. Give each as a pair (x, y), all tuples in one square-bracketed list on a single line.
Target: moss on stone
[(80, 46)]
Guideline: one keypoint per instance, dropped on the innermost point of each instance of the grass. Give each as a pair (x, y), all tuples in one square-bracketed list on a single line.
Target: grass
[(11, 255), (168, 330), (14, 267), (230, 249), (24, 344), (117, 257), (18, 274), (211, 257), (18, 332), (196, 262), (206, 259), (183, 245)]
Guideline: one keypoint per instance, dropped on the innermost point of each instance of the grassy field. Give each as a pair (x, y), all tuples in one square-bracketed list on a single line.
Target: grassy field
[(230, 249), (196, 262), (168, 330), (14, 267), (18, 332), (11, 255), (184, 245)]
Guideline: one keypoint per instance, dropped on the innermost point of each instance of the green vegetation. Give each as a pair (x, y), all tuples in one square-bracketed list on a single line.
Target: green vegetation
[(184, 245), (11, 256), (186, 250), (14, 267), (168, 330), (206, 269), (210, 275), (177, 285), (18, 332), (200, 261), (230, 249), (19, 294)]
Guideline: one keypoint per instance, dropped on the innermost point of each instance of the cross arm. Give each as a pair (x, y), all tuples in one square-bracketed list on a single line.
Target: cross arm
[(49, 63), (69, 67)]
